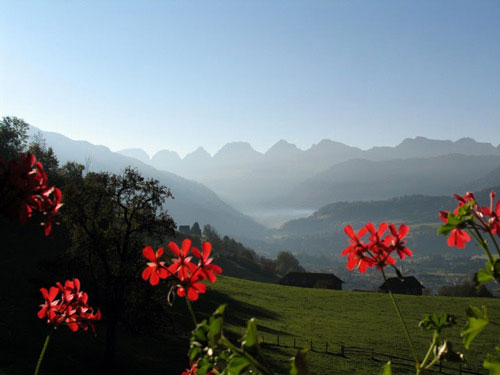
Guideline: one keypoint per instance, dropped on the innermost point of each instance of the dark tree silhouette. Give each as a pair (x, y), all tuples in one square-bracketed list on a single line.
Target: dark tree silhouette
[(110, 217)]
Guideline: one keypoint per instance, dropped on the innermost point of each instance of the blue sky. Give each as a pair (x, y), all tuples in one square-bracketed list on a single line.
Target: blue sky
[(181, 74)]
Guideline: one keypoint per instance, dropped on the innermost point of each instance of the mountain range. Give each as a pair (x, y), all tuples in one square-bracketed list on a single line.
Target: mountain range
[(286, 177), (192, 200)]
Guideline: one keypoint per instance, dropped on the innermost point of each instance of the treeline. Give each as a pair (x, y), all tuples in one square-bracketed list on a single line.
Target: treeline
[(240, 261)]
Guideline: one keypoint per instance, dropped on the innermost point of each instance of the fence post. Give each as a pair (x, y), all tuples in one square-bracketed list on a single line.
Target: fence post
[(440, 366), (460, 369), (373, 354), (311, 345), (342, 350), (294, 346), (278, 340)]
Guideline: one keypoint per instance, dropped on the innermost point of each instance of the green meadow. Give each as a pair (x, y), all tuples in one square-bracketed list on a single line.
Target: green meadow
[(357, 319)]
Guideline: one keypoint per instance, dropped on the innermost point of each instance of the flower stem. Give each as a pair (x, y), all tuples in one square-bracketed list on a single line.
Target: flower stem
[(191, 311), (477, 236), (40, 358), (410, 341), (431, 347)]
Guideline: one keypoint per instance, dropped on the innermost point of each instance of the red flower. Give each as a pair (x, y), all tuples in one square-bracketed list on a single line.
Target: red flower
[(493, 212), (70, 309), (50, 306), (182, 265), (192, 287), (24, 190), (376, 253), (357, 251), (458, 238), (207, 269), (156, 270), (397, 242)]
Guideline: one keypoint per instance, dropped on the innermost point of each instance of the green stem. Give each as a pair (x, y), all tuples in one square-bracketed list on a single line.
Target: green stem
[(243, 353), (495, 242), (40, 358), (191, 311), (477, 236), (410, 341), (431, 347)]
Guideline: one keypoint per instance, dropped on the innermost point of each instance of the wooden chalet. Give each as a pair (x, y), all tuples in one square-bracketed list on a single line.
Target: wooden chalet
[(406, 285)]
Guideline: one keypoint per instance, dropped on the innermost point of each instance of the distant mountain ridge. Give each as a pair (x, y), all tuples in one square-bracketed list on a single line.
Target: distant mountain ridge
[(287, 176), (192, 200)]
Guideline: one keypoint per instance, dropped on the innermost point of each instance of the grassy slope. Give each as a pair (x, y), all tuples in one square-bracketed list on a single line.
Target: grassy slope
[(359, 319)]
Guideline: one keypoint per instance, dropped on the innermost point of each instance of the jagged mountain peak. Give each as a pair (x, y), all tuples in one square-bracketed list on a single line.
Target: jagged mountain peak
[(283, 148), (237, 151)]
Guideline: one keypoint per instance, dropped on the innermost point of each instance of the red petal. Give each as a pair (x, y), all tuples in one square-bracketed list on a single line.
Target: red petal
[(196, 252), (350, 232), (174, 248), (207, 249), (403, 230), (186, 245), (147, 273), (159, 252), (149, 253), (192, 294)]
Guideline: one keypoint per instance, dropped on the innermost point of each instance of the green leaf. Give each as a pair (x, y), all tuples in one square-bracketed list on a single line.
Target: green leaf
[(483, 276), (435, 322), (386, 369), (236, 365), (493, 365), (250, 339), (445, 229), (215, 326), (299, 363), (477, 320)]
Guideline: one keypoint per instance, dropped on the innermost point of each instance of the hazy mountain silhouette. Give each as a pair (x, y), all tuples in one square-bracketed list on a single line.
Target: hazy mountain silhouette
[(193, 201), (288, 177), (136, 153), (361, 179)]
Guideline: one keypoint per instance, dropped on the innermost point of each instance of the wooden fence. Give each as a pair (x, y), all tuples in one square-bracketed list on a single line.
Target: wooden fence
[(367, 354)]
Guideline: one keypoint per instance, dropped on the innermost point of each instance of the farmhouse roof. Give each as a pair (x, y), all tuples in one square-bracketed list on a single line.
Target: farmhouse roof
[(408, 282)]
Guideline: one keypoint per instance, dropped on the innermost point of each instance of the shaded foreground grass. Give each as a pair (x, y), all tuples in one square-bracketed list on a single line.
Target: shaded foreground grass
[(358, 319)]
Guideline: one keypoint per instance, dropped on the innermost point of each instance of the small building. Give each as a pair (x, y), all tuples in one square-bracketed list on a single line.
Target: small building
[(406, 285), (184, 229), (312, 280)]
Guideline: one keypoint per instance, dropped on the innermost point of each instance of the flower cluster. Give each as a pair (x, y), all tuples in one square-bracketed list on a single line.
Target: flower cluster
[(469, 216), (189, 275), (70, 308), (378, 250), (24, 190)]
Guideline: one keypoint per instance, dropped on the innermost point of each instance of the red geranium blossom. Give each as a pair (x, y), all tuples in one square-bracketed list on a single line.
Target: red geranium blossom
[(458, 237), (377, 252), (493, 212), (182, 265), (189, 276), (156, 270), (192, 287), (70, 309), (397, 240), (24, 190), (205, 263)]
